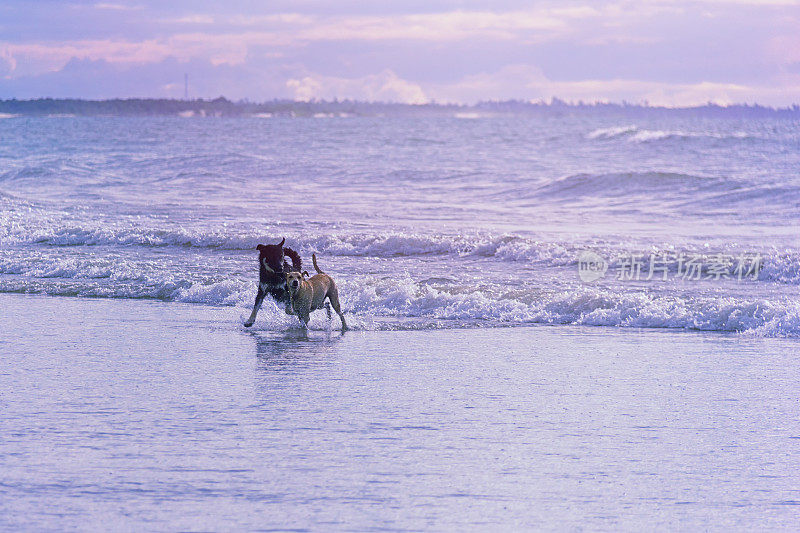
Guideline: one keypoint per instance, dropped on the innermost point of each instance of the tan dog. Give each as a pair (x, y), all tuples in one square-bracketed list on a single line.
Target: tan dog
[(309, 295)]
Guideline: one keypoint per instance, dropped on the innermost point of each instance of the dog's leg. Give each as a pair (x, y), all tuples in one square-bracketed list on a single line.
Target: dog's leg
[(289, 304), (328, 311), (256, 307), (304, 319), (333, 296)]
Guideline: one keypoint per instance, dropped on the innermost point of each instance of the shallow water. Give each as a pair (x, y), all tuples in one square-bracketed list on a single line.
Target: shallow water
[(160, 416), (424, 222)]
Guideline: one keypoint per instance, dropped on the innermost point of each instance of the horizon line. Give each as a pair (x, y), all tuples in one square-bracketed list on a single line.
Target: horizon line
[(554, 101)]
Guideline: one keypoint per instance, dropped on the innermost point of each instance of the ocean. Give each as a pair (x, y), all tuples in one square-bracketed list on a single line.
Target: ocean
[(585, 322), (425, 223)]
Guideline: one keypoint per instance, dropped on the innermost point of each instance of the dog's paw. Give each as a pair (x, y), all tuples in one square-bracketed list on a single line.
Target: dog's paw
[(248, 324)]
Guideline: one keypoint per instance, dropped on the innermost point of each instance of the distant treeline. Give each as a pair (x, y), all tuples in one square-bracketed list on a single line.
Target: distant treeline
[(222, 107)]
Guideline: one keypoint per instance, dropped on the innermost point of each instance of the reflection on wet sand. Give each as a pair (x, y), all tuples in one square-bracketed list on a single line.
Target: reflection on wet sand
[(294, 349)]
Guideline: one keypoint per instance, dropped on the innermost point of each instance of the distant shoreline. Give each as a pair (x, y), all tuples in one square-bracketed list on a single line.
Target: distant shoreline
[(222, 107)]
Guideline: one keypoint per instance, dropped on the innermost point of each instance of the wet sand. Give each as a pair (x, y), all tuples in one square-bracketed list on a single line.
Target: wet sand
[(132, 415)]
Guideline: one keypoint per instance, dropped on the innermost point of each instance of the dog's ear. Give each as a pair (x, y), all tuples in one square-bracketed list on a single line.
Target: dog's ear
[(283, 241), (305, 273), (260, 247)]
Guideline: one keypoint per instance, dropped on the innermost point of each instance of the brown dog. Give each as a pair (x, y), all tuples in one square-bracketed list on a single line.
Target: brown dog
[(309, 295)]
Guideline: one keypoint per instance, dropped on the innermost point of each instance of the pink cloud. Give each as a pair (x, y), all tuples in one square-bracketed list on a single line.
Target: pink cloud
[(385, 86)]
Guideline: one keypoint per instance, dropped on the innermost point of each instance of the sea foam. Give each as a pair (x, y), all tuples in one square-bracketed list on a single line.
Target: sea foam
[(456, 302)]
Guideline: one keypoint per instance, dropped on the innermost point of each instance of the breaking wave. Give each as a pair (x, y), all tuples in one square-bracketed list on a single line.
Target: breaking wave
[(370, 302), (385, 244), (610, 133), (424, 301), (781, 265), (635, 134)]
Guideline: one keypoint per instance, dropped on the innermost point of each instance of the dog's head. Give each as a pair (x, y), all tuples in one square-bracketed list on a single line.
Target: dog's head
[(293, 280), (271, 256)]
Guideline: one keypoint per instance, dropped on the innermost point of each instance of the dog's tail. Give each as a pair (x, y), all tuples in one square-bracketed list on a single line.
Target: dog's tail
[(314, 260), (295, 257)]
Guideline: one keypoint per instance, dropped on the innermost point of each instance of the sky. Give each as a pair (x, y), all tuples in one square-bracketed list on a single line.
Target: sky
[(673, 53)]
